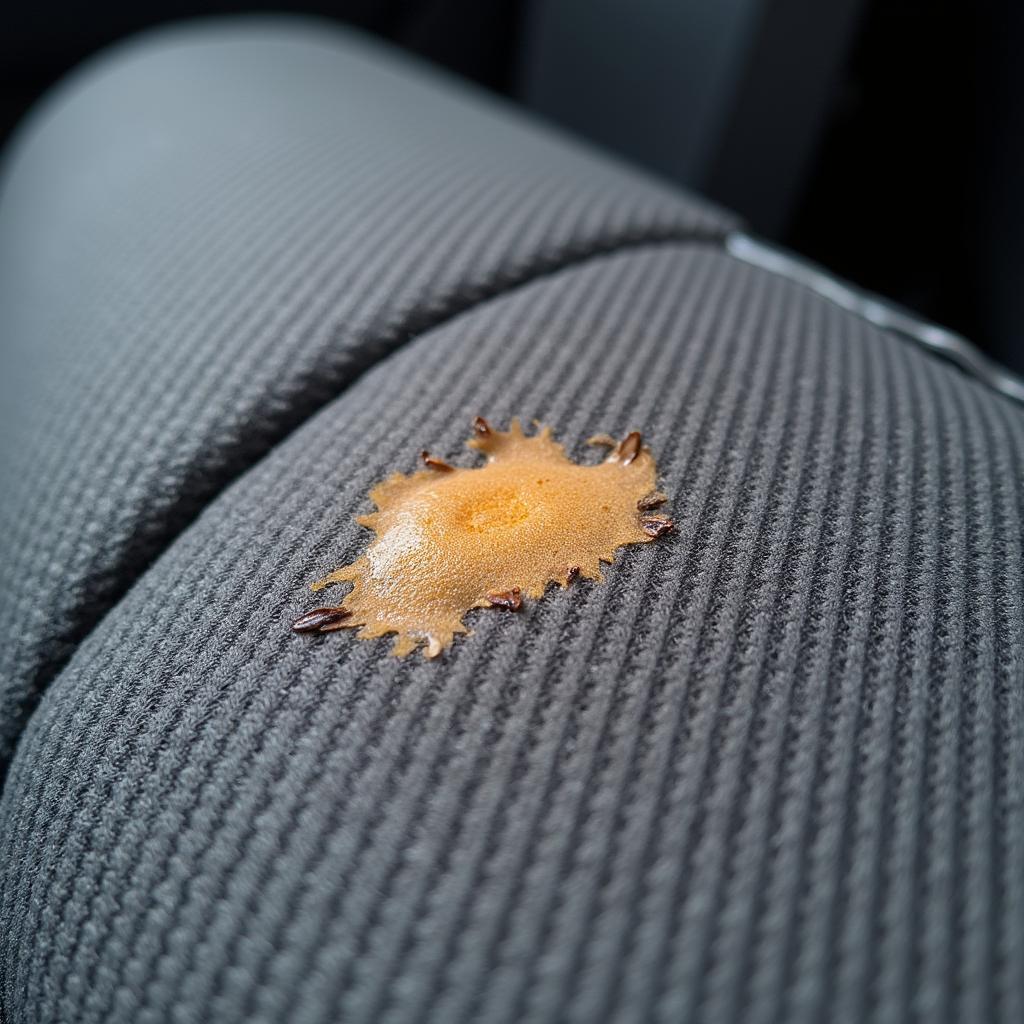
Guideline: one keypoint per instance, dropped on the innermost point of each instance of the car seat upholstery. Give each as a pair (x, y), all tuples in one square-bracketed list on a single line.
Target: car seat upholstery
[(769, 770), (206, 236)]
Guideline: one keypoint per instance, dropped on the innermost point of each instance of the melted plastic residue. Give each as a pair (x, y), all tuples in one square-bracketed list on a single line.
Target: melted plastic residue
[(449, 539)]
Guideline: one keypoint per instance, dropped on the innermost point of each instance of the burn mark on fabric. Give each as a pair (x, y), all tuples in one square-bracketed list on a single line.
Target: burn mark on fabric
[(452, 538)]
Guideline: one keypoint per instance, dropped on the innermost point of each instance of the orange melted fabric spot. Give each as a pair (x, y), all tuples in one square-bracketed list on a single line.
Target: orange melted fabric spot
[(451, 539)]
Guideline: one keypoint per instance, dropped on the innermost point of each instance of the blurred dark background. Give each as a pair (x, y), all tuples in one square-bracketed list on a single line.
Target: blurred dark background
[(883, 138)]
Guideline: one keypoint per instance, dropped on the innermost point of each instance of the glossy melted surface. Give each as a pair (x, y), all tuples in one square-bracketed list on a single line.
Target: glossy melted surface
[(450, 539)]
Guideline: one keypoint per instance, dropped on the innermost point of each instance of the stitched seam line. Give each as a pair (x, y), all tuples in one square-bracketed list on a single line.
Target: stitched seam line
[(371, 352)]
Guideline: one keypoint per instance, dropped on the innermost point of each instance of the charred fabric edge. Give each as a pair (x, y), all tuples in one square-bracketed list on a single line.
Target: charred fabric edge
[(331, 618)]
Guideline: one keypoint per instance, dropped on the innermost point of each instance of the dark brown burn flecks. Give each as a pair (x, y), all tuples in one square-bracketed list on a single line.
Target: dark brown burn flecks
[(321, 620), (510, 599), (630, 447), (431, 463), (653, 500), (657, 526), (497, 535)]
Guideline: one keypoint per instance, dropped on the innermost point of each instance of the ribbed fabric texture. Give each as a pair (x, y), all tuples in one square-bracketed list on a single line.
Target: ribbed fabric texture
[(205, 236), (770, 770)]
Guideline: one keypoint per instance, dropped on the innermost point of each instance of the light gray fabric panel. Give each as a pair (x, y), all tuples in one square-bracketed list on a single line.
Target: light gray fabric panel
[(207, 234), (772, 770)]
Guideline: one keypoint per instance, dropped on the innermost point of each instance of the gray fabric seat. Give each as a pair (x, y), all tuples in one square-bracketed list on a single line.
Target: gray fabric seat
[(770, 770), (209, 233)]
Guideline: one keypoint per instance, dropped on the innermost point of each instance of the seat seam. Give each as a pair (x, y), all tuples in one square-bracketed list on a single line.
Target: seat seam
[(371, 352)]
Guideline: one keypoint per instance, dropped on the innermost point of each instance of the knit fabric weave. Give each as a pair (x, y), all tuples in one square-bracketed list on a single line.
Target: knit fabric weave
[(772, 769)]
